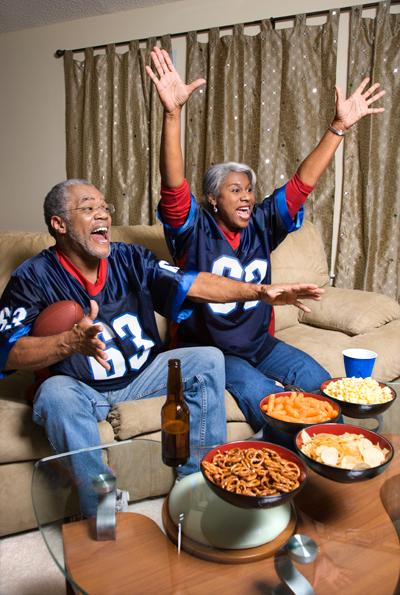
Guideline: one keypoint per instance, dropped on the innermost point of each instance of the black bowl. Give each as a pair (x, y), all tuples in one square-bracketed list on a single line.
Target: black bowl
[(358, 410), (336, 473), (246, 501), (292, 427)]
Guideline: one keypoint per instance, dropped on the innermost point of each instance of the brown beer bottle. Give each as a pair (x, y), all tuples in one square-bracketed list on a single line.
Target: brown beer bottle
[(175, 419)]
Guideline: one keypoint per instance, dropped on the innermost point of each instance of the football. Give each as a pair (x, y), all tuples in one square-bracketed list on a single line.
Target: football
[(57, 318)]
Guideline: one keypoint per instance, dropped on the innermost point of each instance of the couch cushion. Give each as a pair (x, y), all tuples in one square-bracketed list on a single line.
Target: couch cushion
[(286, 316), (385, 342), (351, 311), (150, 236), (138, 418), (301, 258), (20, 438), (19, 246), (15, 494), (326, 347), (237, 430)]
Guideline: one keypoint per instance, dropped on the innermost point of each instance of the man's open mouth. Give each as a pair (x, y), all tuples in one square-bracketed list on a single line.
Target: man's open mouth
[(100, 234)]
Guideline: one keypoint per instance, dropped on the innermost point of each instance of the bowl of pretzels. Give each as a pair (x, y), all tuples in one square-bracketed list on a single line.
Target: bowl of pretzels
[(254, 474)]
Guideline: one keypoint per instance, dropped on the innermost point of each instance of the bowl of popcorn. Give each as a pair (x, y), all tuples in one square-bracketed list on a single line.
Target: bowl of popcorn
[(343, 452), (359, 397)]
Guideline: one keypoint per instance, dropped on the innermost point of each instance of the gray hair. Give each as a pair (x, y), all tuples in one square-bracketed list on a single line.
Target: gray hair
[(56, 200), (216, 174)]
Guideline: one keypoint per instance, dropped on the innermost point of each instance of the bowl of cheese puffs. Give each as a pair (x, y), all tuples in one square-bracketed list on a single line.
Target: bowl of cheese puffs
[(290, 412)]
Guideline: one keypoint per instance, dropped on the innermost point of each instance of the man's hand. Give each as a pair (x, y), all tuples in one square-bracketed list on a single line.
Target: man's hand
[(36, 353), (84, 337), (208, 287), (351, 110), (288, 294), (172, 91)]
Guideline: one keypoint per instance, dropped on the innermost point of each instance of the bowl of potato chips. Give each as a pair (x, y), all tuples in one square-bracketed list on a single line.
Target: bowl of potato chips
[(359, 397), (343, 452)]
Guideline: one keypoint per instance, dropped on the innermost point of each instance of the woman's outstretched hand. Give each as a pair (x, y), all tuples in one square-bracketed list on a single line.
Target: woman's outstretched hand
[(172, 91), (351, 110)]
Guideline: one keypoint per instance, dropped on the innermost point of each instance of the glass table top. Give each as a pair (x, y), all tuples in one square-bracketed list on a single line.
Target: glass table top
[(333, 537)]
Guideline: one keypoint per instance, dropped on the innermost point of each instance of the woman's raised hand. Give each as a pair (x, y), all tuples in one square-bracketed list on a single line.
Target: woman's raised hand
[(351, 110), (172, 91)]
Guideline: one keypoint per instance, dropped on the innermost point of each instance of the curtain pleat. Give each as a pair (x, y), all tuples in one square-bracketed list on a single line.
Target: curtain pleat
[(113, 123), (369, 235), (268, 99)]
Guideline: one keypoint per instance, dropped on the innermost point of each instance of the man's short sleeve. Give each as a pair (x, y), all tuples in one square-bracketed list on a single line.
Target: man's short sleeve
[(19, 306)]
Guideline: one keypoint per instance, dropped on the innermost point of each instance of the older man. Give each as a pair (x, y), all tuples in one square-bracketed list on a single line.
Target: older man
[(114, 353)]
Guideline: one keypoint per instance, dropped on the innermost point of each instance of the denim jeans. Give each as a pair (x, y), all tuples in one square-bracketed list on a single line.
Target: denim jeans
[(250, 383), (69, 411)]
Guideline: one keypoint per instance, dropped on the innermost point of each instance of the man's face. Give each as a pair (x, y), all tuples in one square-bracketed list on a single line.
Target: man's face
[(88, 221), (235, 202)]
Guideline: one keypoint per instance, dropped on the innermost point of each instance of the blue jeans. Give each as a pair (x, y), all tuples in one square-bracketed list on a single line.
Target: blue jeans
[(250, 383), (69, 411)]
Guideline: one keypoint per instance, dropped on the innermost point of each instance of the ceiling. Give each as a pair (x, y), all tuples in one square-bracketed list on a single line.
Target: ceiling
[(23, 14)]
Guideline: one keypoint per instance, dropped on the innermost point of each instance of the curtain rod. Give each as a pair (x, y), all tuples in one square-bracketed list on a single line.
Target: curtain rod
[(317, 13)]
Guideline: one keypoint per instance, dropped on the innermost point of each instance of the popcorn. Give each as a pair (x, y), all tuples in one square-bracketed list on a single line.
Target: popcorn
[(363, 391)]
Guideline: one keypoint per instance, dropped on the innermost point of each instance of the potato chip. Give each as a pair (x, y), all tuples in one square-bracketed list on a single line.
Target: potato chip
[(372, 455), (329, 455), (349, 462)]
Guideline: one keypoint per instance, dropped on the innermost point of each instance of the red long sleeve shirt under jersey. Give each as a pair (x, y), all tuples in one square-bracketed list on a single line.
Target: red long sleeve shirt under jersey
[(175, 205)]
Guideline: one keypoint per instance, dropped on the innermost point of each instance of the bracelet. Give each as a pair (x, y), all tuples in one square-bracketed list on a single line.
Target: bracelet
[(336, 130)]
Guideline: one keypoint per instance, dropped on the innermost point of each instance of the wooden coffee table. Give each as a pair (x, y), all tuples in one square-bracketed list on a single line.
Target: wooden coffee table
[(354, 526)]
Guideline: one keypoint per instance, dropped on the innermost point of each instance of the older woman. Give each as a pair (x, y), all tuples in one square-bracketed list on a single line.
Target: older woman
[(231, 235)]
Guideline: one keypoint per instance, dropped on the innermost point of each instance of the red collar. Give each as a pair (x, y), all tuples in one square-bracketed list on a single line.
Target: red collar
[(233, 237), (91, 288)]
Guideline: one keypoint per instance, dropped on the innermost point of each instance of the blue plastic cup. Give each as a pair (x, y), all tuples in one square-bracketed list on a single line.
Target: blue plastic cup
[(359, 363)]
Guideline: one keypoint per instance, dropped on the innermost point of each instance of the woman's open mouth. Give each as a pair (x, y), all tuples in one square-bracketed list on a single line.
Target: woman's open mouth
[(244, 213)]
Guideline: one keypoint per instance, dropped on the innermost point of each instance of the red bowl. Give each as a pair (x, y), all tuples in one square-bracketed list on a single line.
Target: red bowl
[(292, 427), (359, 410), (336, 473), (246, 501)]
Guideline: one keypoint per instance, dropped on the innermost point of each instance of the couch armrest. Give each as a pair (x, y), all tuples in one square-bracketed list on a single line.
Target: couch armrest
[(351, 311)]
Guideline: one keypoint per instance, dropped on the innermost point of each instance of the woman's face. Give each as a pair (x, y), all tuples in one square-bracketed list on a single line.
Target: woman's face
[(235, 202)]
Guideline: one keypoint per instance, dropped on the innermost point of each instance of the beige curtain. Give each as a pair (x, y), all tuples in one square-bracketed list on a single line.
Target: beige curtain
[(113, 123), (369, 237), (268, 99)]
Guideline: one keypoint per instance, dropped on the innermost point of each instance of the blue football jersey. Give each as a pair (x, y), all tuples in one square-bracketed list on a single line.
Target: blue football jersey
[(136, 285), (199, 245)]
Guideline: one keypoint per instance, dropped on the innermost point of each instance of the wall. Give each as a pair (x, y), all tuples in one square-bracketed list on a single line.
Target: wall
[(32, 147)]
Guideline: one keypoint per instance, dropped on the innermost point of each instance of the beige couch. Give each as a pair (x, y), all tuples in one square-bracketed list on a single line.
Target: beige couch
[(343, 319)]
